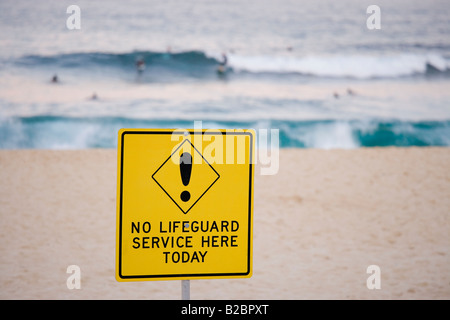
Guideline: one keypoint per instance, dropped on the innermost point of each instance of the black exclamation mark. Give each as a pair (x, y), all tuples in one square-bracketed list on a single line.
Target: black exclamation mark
[(185, 171)]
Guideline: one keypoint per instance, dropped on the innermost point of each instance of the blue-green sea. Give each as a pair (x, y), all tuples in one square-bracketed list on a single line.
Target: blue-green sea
[(311, 69)]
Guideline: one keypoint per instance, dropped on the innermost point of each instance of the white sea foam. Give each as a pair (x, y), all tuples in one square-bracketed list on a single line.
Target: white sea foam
[(352, 66)]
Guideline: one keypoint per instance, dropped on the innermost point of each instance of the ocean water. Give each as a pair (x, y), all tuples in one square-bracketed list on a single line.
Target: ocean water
[(310, 69)]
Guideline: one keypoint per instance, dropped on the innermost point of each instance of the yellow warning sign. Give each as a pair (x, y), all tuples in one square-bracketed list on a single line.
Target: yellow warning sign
[(184, 204)]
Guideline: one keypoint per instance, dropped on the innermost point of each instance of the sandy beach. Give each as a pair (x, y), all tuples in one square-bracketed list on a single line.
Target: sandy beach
[(318, 224)]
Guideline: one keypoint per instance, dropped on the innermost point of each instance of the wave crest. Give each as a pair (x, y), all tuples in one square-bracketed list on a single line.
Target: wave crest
[(200, 62), (338, 66)]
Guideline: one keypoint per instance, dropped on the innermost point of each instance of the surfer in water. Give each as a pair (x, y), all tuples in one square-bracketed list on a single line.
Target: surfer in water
[(168, 54), (140, 65), (222, 68)]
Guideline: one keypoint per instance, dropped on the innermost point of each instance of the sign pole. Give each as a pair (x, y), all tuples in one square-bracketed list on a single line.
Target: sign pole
[(185, 290)]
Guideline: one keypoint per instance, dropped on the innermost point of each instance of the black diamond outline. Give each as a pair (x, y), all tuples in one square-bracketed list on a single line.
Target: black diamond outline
[(153, 176)]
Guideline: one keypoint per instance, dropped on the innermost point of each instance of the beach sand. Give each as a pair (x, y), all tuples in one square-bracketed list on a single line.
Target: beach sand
[(318, 224)]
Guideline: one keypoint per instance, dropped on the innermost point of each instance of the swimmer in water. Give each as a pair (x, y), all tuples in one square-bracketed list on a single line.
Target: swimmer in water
[(94, 96)]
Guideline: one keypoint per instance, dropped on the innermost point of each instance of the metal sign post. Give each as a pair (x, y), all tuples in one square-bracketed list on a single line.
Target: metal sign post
[(185, 289)]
